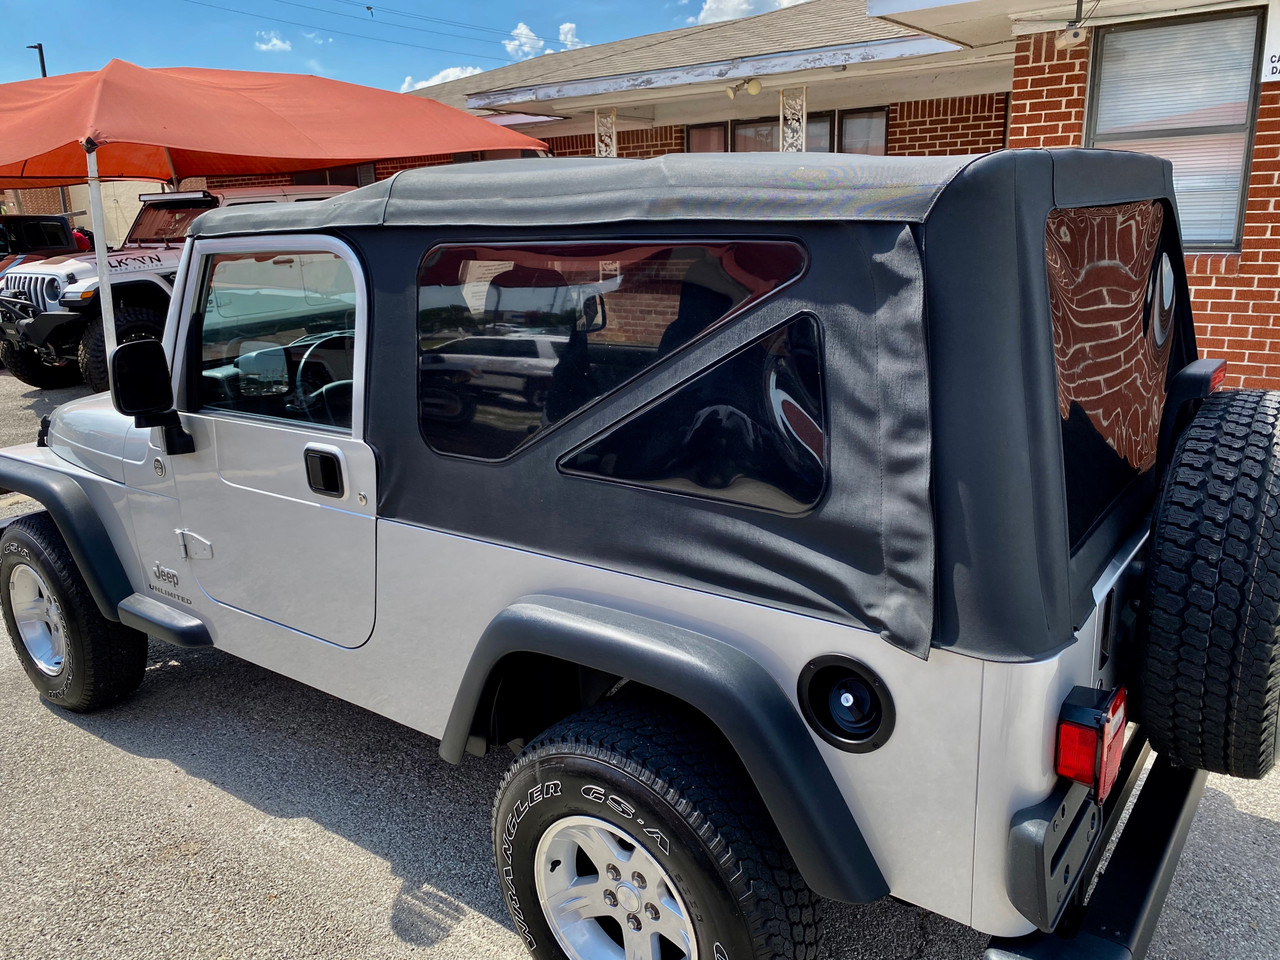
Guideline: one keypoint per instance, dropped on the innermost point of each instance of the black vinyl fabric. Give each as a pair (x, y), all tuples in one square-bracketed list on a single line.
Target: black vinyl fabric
[(862, 555)]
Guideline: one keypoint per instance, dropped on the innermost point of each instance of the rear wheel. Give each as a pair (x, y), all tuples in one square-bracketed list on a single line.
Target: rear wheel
[(1209, 664), (132, 323), (29, 367), (76, 657), (631, 831)]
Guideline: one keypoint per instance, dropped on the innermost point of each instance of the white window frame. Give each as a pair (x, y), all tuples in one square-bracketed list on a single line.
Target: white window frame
[(1094, 139)]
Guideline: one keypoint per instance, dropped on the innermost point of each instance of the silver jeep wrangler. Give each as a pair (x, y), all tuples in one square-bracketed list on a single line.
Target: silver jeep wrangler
[(811, 527)]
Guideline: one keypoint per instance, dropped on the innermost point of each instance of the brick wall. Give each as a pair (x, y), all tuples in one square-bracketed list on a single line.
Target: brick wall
[(922, 128), (42, 200), (1046, 108), (634, 144), (1235, 296)]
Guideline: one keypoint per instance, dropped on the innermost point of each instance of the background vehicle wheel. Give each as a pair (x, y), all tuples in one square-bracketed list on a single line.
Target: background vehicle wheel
[(132, 323), (28, 366), (631, 830), (76, 657), (1209, 665)]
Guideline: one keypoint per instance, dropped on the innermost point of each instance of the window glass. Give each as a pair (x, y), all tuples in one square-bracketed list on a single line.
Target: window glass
[(1112, 297), (759, 136), (709, 139), (515, 339), (863, 131), (277, 336), (817, 134), (1183, 90), (749, 430)]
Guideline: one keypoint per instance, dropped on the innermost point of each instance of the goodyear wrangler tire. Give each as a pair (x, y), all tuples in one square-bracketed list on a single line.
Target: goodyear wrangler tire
[(631, 827), (1209, 665), (76, 658)]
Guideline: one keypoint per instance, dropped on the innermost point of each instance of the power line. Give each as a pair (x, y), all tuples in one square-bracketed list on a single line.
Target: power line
[(450, 23), (347, 33), (405, 26)]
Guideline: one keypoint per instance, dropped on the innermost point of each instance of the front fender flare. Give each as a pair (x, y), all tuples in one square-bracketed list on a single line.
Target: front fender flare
[(733, 690), (80, 526)]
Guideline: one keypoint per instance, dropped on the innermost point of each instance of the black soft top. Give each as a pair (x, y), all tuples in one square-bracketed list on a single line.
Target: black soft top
[(575, 191), (945, 523)]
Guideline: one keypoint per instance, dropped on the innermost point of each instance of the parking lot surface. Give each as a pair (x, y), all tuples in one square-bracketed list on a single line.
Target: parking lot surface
[(227, 812)]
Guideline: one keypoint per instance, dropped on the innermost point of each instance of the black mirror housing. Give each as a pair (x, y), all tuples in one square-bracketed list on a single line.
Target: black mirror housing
[(140, 384), (140, 388)]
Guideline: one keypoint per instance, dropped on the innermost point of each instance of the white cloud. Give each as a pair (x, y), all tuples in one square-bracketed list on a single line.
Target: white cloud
[(444, 76), (523, 43), (714, 10), (271, 42), (317, 39), (315, 67), (569, 36)]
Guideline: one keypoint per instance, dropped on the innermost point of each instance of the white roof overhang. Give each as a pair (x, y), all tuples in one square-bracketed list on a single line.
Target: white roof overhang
[(976, 23), (917, 69)]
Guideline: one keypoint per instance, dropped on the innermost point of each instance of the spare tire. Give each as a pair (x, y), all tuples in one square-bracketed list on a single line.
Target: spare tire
[(1208, 659)]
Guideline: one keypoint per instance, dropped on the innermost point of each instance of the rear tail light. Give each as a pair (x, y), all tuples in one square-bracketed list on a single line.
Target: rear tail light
[(1091, 737), (1218, 377)]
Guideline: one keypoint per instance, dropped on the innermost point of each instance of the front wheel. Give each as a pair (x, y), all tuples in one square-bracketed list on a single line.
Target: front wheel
[(28, 366), (76, 657), (630, 832)]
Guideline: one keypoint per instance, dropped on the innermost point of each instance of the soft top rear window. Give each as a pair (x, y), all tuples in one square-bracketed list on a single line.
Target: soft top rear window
[(513, 339), (1112, 296)]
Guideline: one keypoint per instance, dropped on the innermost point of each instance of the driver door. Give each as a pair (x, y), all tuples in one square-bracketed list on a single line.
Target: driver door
[(278, 500)]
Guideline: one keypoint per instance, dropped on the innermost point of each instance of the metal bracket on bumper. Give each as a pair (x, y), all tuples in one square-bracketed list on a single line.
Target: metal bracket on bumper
[(1120, 917)]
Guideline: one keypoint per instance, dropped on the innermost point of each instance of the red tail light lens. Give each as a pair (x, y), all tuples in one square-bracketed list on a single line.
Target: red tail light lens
[(1091, 737), (1218, 377)]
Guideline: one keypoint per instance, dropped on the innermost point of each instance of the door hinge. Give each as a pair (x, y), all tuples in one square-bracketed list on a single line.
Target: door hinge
[(192, 546)]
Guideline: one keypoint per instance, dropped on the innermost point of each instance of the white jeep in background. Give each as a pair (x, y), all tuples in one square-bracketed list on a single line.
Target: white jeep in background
[(50, 315)]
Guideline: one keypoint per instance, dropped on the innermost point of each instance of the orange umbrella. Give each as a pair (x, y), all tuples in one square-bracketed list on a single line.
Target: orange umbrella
[(129, 123), (167, 124)]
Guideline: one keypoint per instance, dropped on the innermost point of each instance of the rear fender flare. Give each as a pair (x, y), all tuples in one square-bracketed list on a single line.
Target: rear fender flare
[(729, 687)]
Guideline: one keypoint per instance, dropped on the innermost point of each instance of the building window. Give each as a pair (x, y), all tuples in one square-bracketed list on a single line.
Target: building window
[(708, 138), (864, 131), (1184, 90)]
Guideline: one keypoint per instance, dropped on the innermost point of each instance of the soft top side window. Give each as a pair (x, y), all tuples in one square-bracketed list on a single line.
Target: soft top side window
[(513, 339)]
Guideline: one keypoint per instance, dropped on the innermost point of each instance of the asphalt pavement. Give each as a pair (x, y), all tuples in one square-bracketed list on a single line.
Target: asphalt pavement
[(227, 812)]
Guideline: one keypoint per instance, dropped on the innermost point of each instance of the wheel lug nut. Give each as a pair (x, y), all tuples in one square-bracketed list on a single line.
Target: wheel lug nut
[(610, 898), (633, 921), (638, 879), (613, 872), (651, 910)]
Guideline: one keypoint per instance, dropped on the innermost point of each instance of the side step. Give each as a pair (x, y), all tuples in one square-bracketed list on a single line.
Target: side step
[(163, 622)]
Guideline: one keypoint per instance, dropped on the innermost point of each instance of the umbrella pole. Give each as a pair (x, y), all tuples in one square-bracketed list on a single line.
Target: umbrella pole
[(100, 250)]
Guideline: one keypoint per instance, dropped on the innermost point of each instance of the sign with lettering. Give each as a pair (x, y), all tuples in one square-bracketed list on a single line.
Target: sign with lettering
[(1271, 46)]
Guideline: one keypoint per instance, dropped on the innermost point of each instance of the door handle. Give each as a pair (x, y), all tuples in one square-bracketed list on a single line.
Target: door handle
[(324, 472)]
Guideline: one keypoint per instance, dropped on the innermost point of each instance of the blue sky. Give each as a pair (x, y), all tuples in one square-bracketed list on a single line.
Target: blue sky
[(401, 45)]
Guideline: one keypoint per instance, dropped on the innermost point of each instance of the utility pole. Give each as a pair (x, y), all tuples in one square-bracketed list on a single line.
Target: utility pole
[(39, 48)]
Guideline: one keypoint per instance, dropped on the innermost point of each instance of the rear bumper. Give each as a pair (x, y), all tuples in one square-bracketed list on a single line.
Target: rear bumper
[(1120, 917)]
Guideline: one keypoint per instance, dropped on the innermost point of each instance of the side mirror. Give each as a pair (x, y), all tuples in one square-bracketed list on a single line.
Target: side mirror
[(140, 388), (140, 384)]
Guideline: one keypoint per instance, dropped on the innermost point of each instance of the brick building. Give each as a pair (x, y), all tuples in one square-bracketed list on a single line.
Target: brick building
[(912, 77)]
